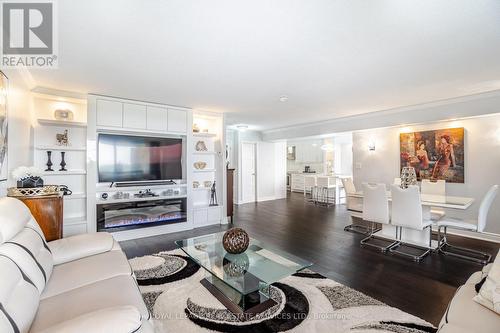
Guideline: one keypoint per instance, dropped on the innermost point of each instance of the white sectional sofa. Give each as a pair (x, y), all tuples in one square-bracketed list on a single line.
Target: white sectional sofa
[(82, 283), (464, 315)]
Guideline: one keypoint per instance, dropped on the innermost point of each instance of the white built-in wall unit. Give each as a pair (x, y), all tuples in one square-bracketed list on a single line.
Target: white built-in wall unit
[(117, 116), (208, 147), (45, 130)]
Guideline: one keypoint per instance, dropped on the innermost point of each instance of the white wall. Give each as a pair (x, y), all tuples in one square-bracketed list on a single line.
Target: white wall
[(271, 165), (482, 161), (20, 111)]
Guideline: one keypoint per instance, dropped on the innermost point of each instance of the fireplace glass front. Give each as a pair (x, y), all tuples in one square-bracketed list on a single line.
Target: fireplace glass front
[(131, 215)]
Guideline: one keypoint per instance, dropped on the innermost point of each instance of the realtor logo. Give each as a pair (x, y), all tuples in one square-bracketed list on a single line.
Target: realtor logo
[(28, 34)]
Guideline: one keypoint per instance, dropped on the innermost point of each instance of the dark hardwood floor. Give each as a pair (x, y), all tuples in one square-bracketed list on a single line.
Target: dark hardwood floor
[(316, 234)]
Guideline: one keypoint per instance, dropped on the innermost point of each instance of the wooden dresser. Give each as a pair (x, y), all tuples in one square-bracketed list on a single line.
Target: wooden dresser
[(48, 212)]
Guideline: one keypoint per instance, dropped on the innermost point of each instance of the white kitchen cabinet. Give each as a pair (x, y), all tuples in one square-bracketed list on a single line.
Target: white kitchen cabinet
[(307, 153), (214, 214), (157, 119), (177, 121), (134, 116), (200, 217), (109, 113), (297, 184)]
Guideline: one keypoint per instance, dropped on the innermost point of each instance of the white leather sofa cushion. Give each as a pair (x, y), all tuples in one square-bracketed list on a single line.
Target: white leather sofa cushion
[(126, 319), (78, 273), (29, 252), (18, 298), (463, 312), (117, 291), (14, 217), (80, 246)]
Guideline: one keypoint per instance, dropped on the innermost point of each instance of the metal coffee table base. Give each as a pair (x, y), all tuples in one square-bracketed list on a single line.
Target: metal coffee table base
[(243, 314)]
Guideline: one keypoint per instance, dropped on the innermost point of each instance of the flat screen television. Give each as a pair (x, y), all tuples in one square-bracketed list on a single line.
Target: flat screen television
[(127, 158)]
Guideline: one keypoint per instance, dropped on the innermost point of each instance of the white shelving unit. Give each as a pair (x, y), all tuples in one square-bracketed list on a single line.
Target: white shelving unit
[(45, 130), (212, 135)]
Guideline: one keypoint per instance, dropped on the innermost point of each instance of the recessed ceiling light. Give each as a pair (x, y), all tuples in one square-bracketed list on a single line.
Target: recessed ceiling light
[(283, 98)]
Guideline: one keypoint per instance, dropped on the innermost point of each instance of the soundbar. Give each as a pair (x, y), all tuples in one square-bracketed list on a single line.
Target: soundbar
[(145, 183)]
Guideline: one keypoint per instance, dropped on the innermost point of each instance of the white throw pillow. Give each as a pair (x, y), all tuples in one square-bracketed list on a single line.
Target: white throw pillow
[(490, 286)]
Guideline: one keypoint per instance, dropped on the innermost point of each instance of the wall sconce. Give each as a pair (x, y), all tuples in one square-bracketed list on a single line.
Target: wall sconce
[(371, 145)]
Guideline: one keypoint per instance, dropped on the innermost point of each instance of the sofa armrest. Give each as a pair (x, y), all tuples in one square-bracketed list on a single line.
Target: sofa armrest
[(120, 319), (80, 246)]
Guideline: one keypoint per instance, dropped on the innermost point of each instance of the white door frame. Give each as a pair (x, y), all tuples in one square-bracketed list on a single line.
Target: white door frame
[(240, 173)]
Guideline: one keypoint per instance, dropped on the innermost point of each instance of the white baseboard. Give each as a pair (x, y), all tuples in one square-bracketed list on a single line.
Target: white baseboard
[(266, 199)]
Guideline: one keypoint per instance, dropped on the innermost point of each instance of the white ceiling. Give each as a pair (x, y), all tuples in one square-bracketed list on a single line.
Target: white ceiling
[(331, 58)]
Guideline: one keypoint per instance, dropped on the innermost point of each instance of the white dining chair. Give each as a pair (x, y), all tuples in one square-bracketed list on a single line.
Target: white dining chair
[(354, 206), (437, 188), (326, 186), (407, 214), (476, 226), (310, 185), (376, 210)]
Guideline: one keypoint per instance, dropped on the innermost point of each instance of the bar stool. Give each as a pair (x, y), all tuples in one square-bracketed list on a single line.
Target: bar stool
[(326, 190), (310, 185)]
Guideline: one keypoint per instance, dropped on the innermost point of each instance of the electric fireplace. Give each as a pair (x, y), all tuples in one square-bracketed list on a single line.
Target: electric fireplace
[(139, 214)]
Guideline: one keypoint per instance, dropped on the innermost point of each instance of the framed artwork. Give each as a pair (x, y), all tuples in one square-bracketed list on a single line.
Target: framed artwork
[(4, 83), (437, 154)]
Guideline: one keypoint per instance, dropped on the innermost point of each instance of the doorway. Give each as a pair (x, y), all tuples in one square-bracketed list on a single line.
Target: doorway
[(248, 172)]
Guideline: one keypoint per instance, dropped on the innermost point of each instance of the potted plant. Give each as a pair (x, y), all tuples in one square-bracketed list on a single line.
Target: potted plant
[(27, 177)]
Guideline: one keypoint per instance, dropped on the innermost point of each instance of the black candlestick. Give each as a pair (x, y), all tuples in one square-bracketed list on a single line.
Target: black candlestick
[(49, 162), (63, 163)]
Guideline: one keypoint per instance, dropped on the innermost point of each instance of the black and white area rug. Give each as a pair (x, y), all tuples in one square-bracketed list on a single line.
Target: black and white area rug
[(306, 302)]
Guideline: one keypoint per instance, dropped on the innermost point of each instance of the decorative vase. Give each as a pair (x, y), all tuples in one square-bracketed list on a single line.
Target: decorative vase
[(408, 177), (235, 241), (49, 162), (30, 182), (63, 162)]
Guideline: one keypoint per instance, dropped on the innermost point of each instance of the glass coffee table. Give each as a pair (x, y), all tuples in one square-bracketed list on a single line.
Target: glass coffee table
[(241, 282)]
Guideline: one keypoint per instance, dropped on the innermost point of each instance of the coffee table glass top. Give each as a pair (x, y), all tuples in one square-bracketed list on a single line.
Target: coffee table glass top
[(247, 272)]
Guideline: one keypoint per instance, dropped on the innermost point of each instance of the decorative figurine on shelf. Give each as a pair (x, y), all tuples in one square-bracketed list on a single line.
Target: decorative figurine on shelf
[(235, 240), (201, 146), (49, 162), (62, 139), (213, 196), (196, 128), (63, 162), (27, 177), (408, 177)]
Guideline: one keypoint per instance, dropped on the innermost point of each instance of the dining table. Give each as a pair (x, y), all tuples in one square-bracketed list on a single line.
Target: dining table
[(428, 201)]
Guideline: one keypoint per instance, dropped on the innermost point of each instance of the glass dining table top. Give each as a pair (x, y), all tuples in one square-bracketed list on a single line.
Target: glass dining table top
[(260, 265)]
